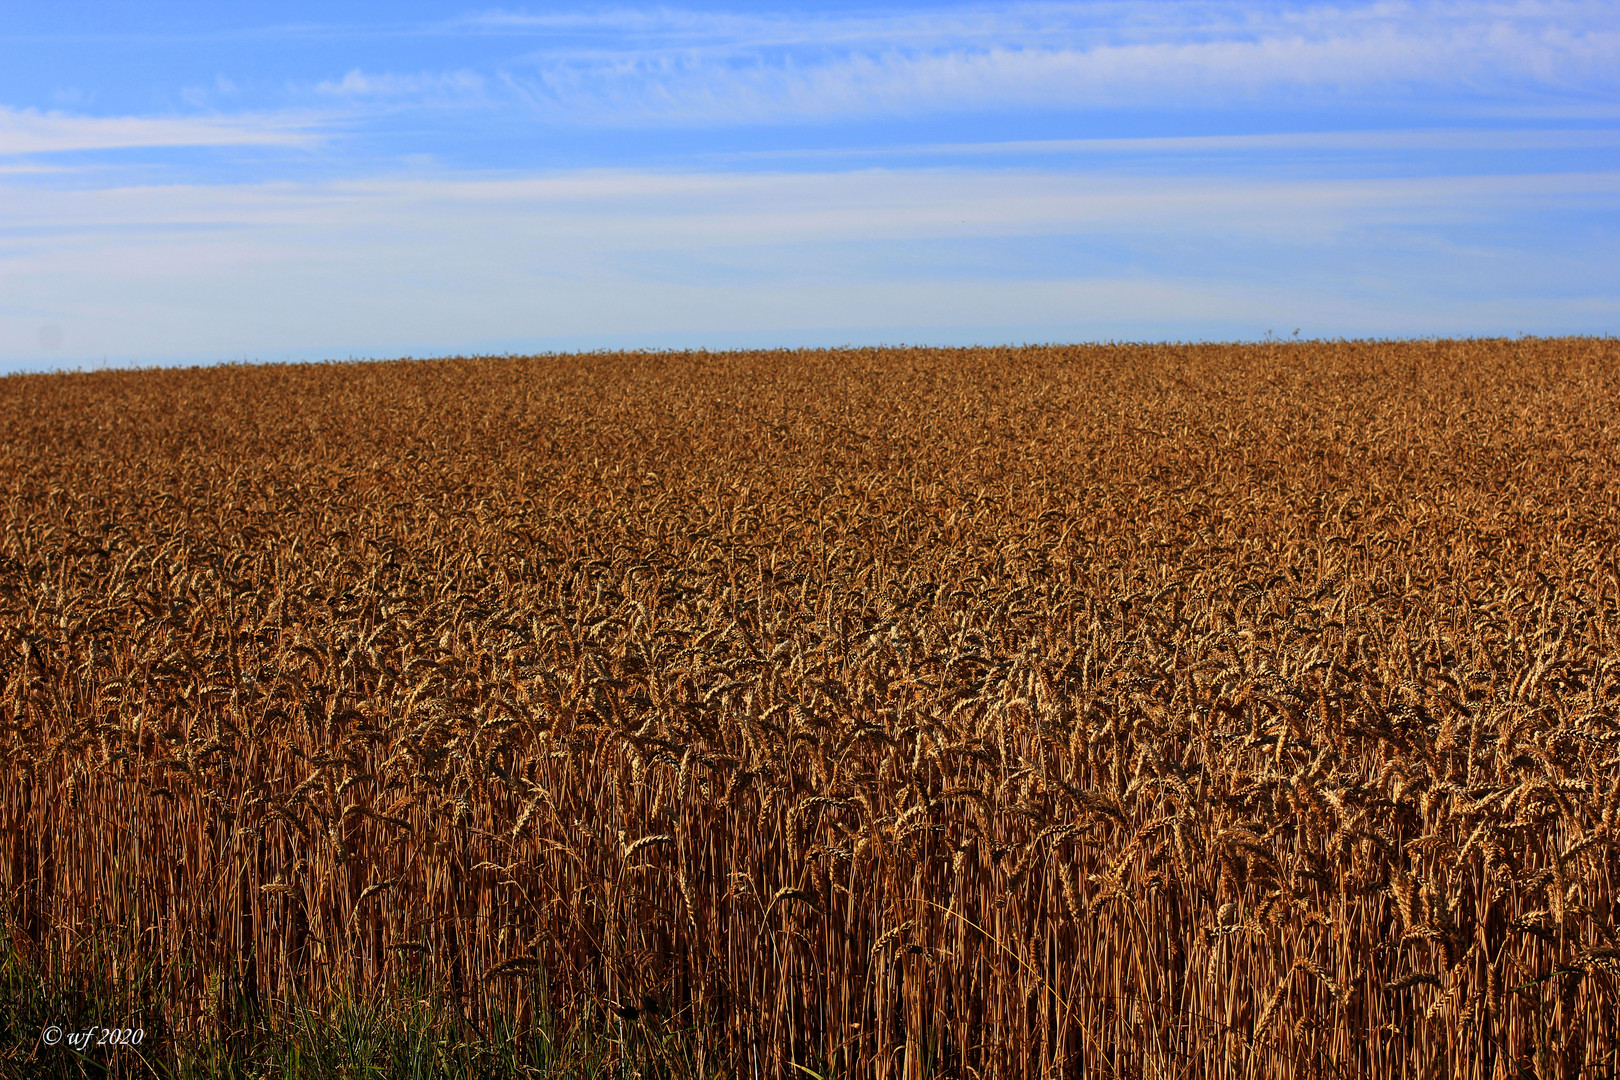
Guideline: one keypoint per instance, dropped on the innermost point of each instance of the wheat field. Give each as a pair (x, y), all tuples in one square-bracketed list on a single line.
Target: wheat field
[(1138, 711)]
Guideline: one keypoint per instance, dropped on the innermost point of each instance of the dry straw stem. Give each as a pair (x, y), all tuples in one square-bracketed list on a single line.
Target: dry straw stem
[(1118, 710)]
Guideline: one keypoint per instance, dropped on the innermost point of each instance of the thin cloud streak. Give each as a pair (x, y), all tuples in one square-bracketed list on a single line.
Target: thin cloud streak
[(1457, 139), (422, 221), (403, 264), (26, 131), (629, 68), (681, 210), (357, 83), (701, 68), (1076, 24)]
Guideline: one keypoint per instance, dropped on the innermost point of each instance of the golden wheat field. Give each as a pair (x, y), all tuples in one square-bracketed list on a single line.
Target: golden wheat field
[(1138, 711)]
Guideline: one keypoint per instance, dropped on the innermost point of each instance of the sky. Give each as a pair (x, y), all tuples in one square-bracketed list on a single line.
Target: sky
[(187, 182)]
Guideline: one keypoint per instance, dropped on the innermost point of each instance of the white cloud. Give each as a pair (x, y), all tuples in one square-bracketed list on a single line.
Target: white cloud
[(1425, 140), (400, 265), (26, 131), (357, 83), (609, 210), (200, 97), (636, 66)]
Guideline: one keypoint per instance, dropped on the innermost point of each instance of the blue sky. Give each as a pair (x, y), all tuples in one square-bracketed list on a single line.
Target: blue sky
[(185, 182)]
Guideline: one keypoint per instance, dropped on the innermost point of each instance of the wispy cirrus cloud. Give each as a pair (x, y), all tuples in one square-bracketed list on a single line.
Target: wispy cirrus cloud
[(1423, 140), (27, 131), (792, 175), (410, 264), (642, 211), (631, 66), (360, 84)]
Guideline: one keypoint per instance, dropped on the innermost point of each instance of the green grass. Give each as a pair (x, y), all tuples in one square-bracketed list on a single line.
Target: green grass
[(411, 1034)]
